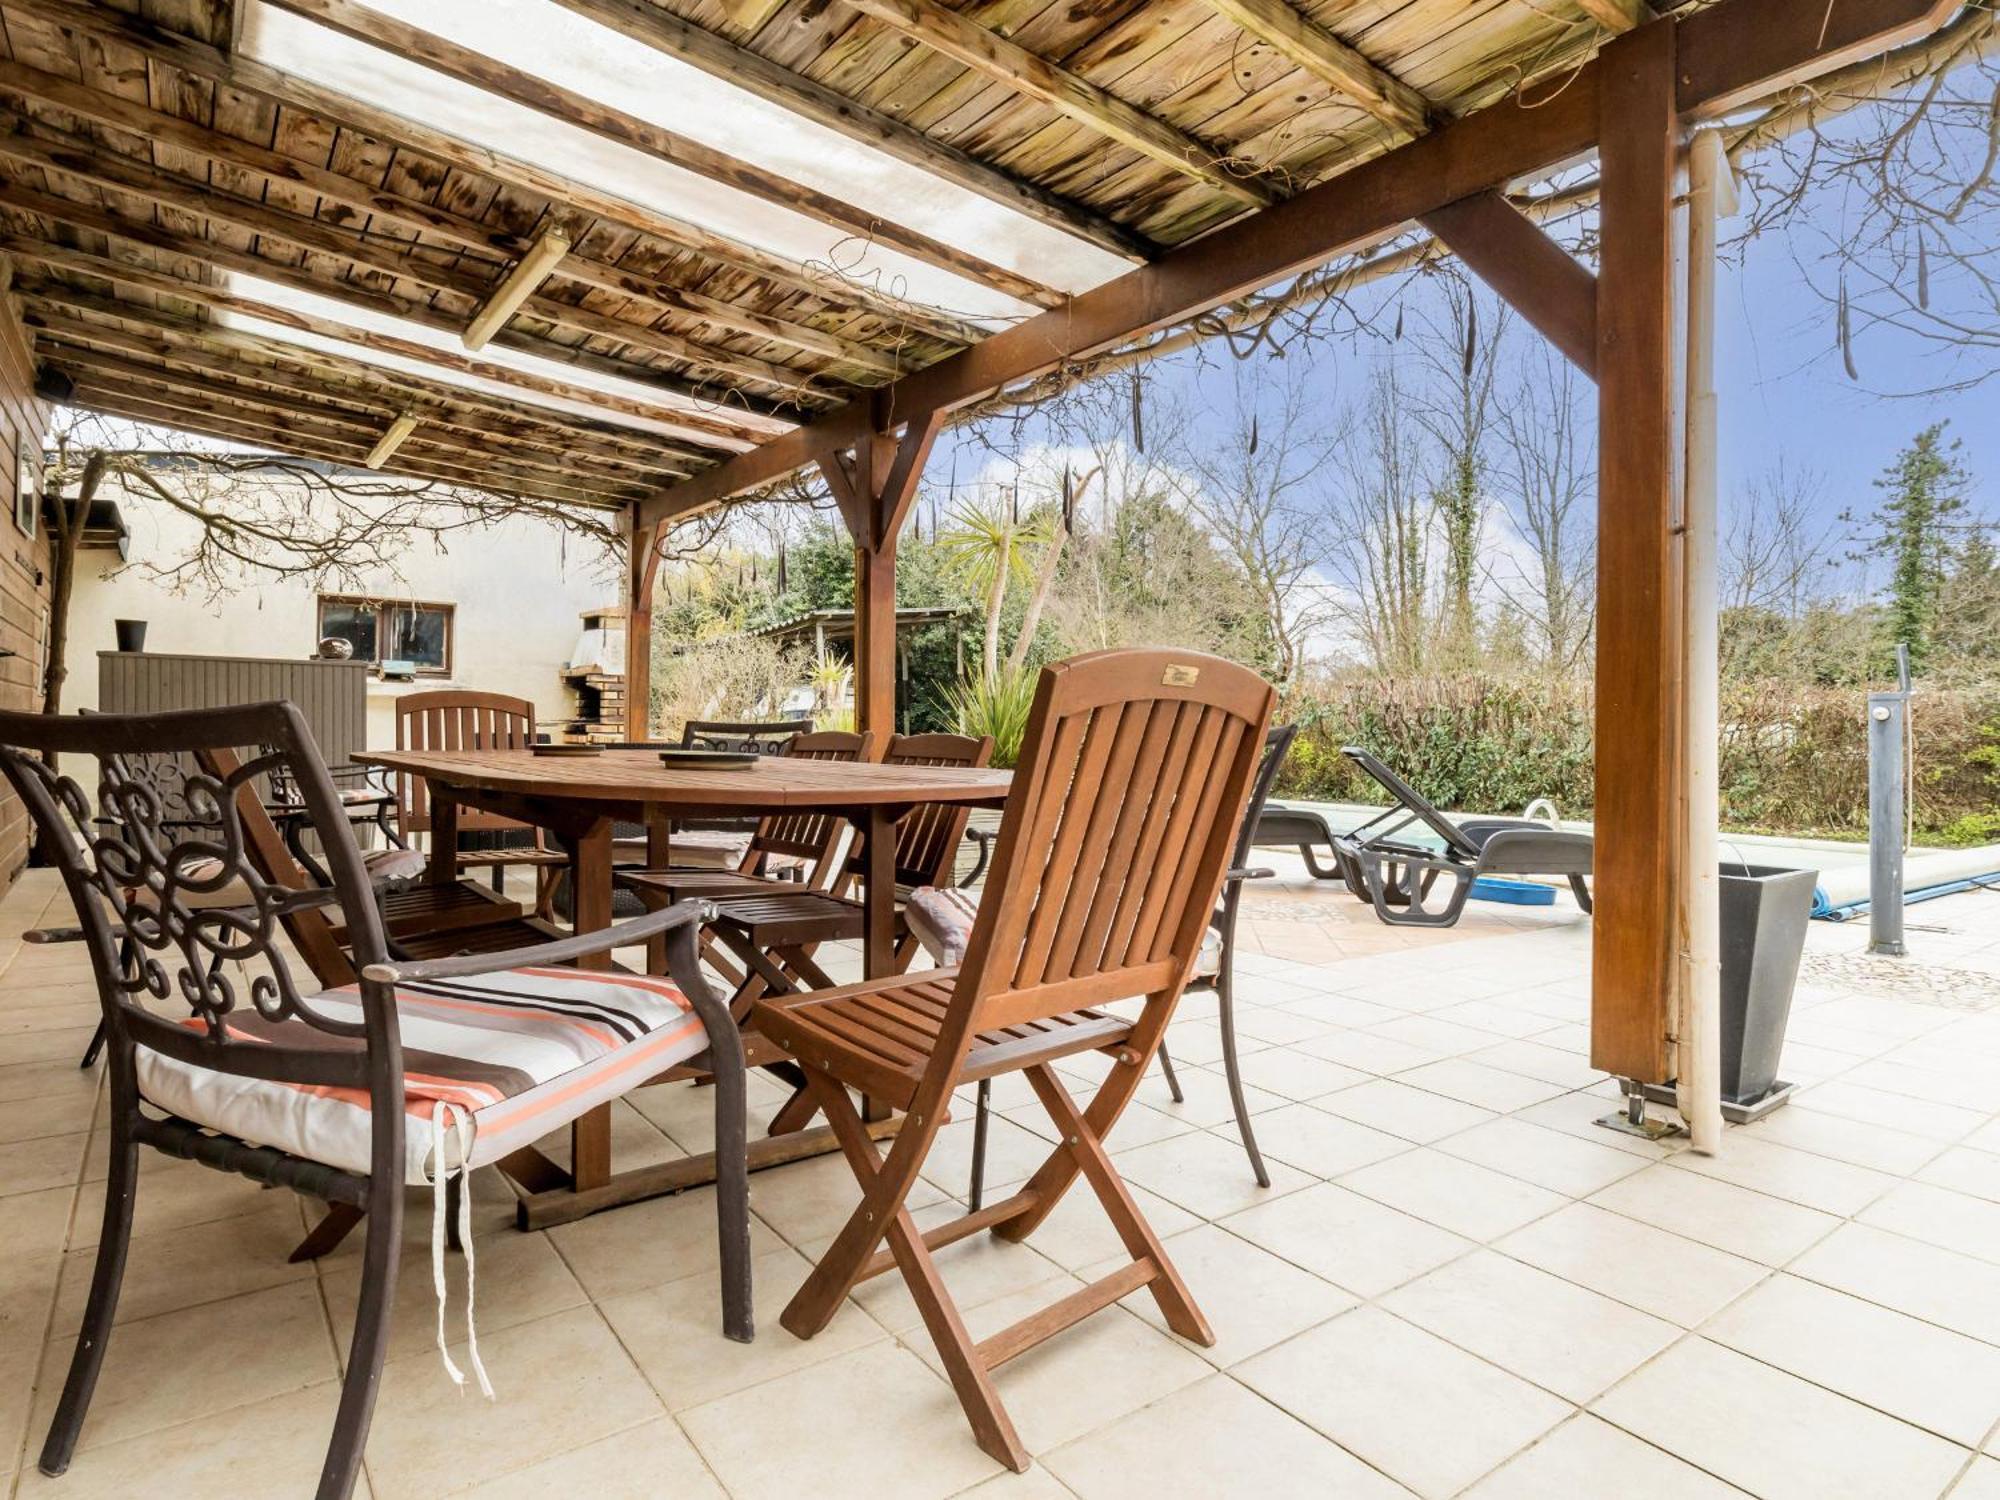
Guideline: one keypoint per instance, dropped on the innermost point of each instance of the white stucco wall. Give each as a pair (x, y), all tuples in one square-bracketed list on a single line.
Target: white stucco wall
[(518, 602)]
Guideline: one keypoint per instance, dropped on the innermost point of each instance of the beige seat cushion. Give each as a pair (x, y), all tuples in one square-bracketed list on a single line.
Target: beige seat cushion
[(522, 1053), (942, 919)]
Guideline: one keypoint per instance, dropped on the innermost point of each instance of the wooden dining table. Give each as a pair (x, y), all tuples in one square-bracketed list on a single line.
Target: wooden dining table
[(579, 798)]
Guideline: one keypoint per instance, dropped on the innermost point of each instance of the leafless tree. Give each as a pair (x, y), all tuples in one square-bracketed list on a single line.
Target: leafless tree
[(1548, 481), (1385, 563), (1457, 348), (1260, 485)]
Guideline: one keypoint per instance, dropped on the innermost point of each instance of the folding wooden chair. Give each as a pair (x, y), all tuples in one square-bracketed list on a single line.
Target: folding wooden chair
[(458, 719), (1112, 851)]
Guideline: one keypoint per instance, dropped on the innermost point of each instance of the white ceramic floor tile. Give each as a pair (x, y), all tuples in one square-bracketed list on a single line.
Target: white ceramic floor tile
[(1204, 1174), (1926, 1281), (1429, 1415), (1352, 1241), (1553, 1332), (1587, 1457), (1657, 1272), (1753, 1225), (1396, 1108), (1473, 1082), (1251, 1298), (1213, 1438), (1774, 1434), (1834, 1187), (1932, 1378), (1465, 1198), (1322, 1144), (1939, 1216), (1548, 1158)]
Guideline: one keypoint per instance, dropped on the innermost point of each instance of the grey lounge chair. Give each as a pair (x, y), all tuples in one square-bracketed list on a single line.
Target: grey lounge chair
[(1398, 877)]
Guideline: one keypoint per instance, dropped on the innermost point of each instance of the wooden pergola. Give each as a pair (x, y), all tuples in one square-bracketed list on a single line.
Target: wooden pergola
[(211, 223)]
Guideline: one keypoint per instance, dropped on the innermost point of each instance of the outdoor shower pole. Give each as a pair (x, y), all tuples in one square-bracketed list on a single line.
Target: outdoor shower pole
[(1886, 825)]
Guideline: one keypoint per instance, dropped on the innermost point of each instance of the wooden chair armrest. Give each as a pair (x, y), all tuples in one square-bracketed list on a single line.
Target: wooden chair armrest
[(556, 951)]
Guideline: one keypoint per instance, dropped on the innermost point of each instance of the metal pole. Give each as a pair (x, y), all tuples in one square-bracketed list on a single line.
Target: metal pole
[(1885, 822)]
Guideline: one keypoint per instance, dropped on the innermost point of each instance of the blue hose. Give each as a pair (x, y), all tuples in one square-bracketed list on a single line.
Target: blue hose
[(1827, 911)]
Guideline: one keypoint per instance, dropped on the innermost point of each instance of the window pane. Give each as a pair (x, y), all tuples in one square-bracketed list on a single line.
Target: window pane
[(419, 635), (353, 623)]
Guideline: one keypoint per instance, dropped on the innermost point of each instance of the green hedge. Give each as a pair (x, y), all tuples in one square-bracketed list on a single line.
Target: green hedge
[(1794, 759)]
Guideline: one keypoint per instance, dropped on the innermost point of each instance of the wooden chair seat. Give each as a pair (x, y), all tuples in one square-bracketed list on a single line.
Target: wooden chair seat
[(883, 1034), (520, 854)]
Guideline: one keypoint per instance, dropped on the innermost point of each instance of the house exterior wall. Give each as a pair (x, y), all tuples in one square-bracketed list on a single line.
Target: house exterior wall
[(517, 605), (24, 565)]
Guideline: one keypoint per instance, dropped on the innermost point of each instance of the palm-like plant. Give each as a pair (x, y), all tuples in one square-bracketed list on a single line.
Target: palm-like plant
[(991, 549), (995, 703)]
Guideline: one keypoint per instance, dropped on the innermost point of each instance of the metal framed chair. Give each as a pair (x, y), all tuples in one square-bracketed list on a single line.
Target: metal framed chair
[(459, 719), (1114, 844), (220, 1053)]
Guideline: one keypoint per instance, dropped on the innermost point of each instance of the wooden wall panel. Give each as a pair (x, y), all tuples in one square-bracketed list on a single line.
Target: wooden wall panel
[(24, 565)]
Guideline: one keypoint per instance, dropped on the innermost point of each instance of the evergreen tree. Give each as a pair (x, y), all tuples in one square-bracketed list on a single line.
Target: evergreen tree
[(1912, 530)]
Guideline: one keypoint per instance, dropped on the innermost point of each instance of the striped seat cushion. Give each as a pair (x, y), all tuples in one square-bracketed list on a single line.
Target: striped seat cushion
[(522, 1053), (941, 919)]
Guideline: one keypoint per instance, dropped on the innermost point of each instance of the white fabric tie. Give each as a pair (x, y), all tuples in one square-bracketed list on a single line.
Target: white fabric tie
[(448, 1117)]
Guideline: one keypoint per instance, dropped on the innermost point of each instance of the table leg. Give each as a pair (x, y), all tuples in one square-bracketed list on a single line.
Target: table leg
[(659, 855), (878, 959), (442, 868), (590, 900)]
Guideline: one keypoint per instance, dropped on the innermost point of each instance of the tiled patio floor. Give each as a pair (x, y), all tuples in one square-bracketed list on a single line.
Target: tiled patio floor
[(1457, 1283)]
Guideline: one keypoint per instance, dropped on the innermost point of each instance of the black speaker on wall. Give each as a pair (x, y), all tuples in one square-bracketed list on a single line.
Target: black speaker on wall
[(52, 384)]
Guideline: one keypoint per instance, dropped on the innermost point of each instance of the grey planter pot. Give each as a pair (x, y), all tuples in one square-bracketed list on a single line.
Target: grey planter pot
[(1764, 915)]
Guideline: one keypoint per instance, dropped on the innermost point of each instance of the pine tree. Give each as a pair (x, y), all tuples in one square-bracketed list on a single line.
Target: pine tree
[(1912, 529)]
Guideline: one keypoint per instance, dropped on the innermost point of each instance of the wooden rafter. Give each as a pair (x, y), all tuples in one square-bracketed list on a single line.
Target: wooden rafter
[(451, 60), (300, 438), (169, 191), (267, 85), (985, 51), (1617, 15), (383, 207), (657, 27), (111, 371), (251, 360), (1728, 53), (1331, 60), (72, 298)]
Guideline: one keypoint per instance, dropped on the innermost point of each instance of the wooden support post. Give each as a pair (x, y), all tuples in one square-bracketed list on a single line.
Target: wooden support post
[(874, 488), (642, 570), (1639, 685)]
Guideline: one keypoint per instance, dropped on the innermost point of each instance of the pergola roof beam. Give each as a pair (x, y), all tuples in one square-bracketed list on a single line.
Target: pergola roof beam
[(165, 190), (106, 370), (450, 60), (275, 88), (1728, 54), (344, 334), (292, 370), (296, 438), (1331, 60), (274, 167), (654, 26), (965, 41)]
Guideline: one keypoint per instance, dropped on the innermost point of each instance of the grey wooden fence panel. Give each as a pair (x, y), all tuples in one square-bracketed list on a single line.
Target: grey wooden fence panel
[(333, 695)]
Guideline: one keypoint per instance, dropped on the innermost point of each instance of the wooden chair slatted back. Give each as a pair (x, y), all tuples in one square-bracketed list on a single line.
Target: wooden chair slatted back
[(457, 719), (927, 838), (807, 834), (1117, 832)]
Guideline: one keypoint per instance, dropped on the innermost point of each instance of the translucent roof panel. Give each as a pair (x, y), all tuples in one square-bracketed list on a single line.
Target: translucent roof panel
[(540, 38), (493, 358)]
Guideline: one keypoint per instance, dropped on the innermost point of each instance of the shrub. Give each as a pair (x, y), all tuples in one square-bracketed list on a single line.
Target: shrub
[(996, 705)]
